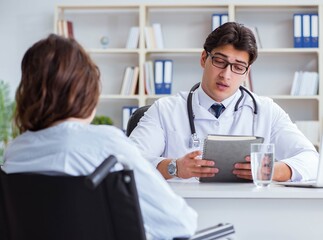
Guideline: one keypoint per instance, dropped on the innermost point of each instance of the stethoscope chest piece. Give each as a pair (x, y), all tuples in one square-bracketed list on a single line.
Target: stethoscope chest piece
[(195, 142)]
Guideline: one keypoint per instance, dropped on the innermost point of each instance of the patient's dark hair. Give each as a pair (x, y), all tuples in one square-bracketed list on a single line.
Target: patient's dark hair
[(235, 34), (59, 80)]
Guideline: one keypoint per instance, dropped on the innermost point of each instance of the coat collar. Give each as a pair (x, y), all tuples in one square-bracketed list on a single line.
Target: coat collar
[(201, 103)]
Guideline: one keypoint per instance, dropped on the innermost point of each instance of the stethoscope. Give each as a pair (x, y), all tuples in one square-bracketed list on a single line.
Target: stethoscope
[(195, 141)]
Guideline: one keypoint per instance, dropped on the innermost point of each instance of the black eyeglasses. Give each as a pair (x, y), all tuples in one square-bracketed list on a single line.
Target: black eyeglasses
[(222, 63)]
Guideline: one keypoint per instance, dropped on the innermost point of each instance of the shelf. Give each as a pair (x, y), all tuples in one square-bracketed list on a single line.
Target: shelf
[(112, 50), (185, 27)]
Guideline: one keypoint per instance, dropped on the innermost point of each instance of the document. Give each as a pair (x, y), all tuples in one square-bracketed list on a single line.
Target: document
[(226, 151)]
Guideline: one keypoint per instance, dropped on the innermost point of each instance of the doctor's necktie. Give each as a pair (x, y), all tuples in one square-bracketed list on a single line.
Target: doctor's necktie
[(218, 109)]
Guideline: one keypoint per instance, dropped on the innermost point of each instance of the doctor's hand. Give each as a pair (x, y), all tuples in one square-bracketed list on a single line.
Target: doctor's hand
[(282, 172), (191, 165), (243, 169)]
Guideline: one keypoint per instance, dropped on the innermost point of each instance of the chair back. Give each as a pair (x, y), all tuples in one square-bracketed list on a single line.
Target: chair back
[(3, 221), (135, 117), (64, 207)]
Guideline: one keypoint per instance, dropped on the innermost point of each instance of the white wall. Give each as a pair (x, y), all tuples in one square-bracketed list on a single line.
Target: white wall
[(23, 22)]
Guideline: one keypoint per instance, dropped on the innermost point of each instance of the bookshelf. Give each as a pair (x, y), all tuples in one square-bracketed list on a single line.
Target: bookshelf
[(185, 27)]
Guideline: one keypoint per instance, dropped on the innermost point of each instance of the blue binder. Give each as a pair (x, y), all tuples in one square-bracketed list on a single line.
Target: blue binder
[(168, 77), (127, 111), (314, 31), (218, 19), (159, 75), (298, 42), (306, 30)]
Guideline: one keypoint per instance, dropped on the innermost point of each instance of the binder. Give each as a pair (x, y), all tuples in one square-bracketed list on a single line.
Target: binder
[(219, 19), (314, 31), (133, 109), (159, 75), (216, 20), (127, 111), (125, 117), (224, 18), (297, 31), (306, 30), (168, 76)]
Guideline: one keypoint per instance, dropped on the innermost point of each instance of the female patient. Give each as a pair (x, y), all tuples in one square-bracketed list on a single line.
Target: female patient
[(56, 101)]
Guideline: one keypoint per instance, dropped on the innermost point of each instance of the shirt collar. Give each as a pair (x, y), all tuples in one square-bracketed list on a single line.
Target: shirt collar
[(206, 102)]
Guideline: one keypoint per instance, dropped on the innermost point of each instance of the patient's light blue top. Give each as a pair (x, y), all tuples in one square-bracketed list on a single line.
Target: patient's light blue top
[(76, 148)]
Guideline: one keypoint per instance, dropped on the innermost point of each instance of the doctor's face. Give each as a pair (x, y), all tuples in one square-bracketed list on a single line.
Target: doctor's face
[(229, 69)]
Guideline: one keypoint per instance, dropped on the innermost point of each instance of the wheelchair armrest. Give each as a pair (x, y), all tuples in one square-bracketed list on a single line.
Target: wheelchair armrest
[(95, 178)]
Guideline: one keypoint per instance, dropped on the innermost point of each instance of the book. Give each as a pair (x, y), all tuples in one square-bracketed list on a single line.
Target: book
[(149, 78), (296, 83), (305, 84), (150, 37), (226, 151), (65, 28), (133, 38), (70, 30), (127, 79), (158, 35), (256, 34), (134, 81)]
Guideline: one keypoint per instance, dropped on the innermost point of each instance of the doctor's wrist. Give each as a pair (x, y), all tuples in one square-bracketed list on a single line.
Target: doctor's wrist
[(168, 168), (172, 168), (282, 172)]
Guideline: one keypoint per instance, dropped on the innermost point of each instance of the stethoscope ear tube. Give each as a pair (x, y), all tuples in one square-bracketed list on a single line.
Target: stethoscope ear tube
[(190, 108), (243, 89), (194, 141)]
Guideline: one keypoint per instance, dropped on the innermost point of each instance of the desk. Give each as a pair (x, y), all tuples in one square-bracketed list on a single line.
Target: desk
[(274, 213)]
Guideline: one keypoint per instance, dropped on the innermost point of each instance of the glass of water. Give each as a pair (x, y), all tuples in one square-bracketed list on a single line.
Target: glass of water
[(262, 163)]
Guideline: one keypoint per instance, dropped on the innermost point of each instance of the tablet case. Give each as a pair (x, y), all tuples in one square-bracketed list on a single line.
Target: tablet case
[(225, 151)]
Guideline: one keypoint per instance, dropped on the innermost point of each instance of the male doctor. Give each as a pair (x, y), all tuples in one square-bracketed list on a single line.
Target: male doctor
[(164, 133)]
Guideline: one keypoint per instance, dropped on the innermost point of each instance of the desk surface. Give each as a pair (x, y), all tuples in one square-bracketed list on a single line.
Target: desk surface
[(274, 213), (243, 190)]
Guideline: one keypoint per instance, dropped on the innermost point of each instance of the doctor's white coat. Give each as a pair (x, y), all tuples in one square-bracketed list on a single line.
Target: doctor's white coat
[(164, 130)]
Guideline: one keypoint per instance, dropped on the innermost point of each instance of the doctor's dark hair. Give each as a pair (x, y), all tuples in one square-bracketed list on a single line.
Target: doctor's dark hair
[(59, 80), (235, 34)]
